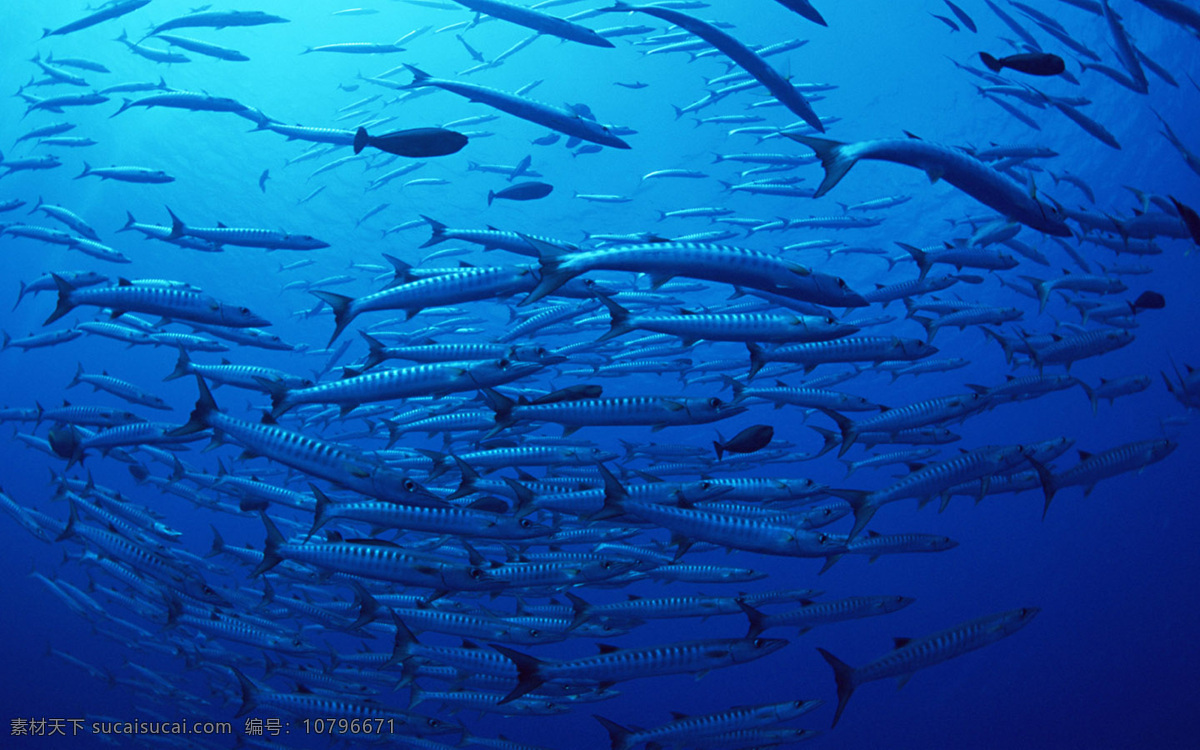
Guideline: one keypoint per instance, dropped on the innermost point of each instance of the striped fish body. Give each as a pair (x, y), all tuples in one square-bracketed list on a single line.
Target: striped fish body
[(175, 303)]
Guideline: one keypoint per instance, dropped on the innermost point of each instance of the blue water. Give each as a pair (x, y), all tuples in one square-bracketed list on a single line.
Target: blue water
[(1110, 660)]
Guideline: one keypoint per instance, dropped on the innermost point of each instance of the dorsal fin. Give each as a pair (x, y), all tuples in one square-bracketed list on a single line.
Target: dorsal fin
[(607, 648)]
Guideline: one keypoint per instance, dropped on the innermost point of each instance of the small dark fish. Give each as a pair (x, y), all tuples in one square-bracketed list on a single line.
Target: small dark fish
[(522, 191), (547, 140), (953, 26), (1149, 301), (634, 85), (588, 148), (753, 438), (414, 142), (1033, 63), (1190, 219), (962, 16), (805, 9), (262, 180)]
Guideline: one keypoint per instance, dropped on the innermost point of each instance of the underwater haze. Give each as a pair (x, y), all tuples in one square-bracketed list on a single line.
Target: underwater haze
[(442, 373)]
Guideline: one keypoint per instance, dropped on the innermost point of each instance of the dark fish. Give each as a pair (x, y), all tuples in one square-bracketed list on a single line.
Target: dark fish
[(1149, 301), (262, 180), (634, 85), (753, 438), (1033, 63), (522, 191), (962, 15), (414, 142), (953, 26), (547, 140), (804, 8)]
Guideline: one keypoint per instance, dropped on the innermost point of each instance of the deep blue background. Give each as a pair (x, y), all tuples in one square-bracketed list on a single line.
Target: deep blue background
[(1110, 661)]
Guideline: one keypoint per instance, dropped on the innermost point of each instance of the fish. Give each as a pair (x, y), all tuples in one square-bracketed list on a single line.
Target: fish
[(1031, 63), (106, 13), (168, 302), (749, 440), (911, 654), (964, 172), (522, 191), (540, 22)]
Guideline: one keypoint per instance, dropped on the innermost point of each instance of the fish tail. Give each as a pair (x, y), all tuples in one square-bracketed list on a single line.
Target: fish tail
[(550, 262), (375, 351), (402, 643), (125, 104), (1091, 394), (249, 692), (845, 426), (491, 196), (860, 503), (342, 314), (419, 76), (619, 324), (919, 256), (523, 498), (129, 222), (183, 366), (438, 229), (271, 547), (467, 485), (368, 606), (1042, 288), (719, 447), (617, 734), (360, 140), (929, 324), (1048, 484), (65, 305), (78, 371), (580, 608), (754, 616), (529, 674), (87, 170), (177, 227), (833, 158), (72, 518), (218, 543), (992, 63), (8, 340), (843, 675), (830, 561), (320, 513), (198, 419), (758, 359), (401, 271)]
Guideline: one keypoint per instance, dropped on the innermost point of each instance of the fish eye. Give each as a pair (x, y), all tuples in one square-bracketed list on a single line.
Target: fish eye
[(822, 538), (526, 523), (244, 310), (759, 643), (714, 402), (434, 723), (476, 573), (410, 485), (535, 633)]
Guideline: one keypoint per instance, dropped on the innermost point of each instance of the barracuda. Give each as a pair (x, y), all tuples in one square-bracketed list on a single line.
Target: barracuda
[(920, 414), (932, 479), (265, 238), (687, 730), (434, 379), (377, 560), (656, 411), (334, 462), (913, 654), (617, 664), (464, 522), (723, 263), (742, 327), (168, 302), (860, 349), (1093, 468), (445, 289)]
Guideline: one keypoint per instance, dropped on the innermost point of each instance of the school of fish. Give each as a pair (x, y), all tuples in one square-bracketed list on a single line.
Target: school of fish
[(474, 469)]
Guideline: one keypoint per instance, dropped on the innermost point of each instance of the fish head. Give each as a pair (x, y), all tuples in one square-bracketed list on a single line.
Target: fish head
[(307, 242), (241, 317), (748, 649), (892, 603)]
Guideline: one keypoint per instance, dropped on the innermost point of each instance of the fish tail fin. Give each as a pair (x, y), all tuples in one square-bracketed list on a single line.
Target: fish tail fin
[(491, 196), (529, 672), (198, 419), (845, 426), (278, 391), (65, 305), (831, 440), (864, 509), (919, 256), (375, 351), (183, 366), (249, 692), (177, 227), (87, 170), (719, 446), (360, 140), (72, 518), (1042, 288), (992, 63), (342, 313), (833, 158), (438, 230), (129, 222), (125, 104), (271, 547), (843, 675), (419, 76), (550, 262), (754, 616), (619, 324), (402, 643), (1048, 484), (78, 371), (468, 484), (580, 609), (321, 511), (218, 543), (617, 734), (401, 271), (929, 324), (1092, 397), (758, 359)]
